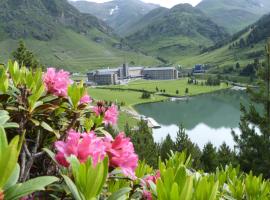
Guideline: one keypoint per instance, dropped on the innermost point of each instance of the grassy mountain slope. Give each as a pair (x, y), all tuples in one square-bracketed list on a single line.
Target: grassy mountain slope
[(61, 36), (119, 14), (234, 14), (173, 34), (232, 52)]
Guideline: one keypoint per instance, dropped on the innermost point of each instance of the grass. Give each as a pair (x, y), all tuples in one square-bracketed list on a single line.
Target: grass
[(170, 87), (76, 52), (129, 98), (125, 118)]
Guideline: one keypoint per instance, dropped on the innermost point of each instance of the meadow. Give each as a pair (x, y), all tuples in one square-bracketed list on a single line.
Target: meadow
[(171, 86), (127, 97)]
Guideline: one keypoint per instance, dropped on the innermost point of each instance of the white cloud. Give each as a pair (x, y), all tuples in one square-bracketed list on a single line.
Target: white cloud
[(171, 3), (165, 3)]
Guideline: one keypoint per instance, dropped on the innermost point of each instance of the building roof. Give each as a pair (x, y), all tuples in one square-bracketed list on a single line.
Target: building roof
[(104, 71), (159, 68), (136, 68)]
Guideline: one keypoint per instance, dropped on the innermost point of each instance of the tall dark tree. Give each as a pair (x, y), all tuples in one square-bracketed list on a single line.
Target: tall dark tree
[(209, 158), (183, 143), (25, 57), (226, 156), (166, 147), (143, 142), (254, 141)]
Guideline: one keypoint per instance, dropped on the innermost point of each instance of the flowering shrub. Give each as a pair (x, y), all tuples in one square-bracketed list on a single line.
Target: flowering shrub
[(82, 146), (55, 82), (51, 126)]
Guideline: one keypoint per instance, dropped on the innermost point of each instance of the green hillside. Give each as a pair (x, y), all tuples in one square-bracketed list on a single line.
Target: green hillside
[(173, 34), (244, 47), (119, 14), (234, 15), (61, 36)]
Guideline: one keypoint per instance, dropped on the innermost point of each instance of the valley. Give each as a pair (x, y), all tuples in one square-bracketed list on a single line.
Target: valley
[(135, 99)]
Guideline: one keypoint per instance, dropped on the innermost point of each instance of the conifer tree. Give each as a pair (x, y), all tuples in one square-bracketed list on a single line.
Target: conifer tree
[(143, 142), (25, 57), (226, 156), (209, 158), (254, 141), (166, 147), (183, 143)]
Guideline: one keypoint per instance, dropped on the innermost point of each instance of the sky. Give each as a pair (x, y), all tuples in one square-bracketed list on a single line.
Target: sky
[(165, 3)]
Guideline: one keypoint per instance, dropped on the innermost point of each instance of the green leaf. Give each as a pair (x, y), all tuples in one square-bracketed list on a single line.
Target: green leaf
[(47, 127), (23, 189), (51, 154), (8, 157), (73, 189), (120, 193), (88, 178), (214, 192), (13, 179)]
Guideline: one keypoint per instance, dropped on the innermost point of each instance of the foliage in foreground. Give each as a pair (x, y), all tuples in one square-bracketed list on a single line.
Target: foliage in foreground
[(46, 112)]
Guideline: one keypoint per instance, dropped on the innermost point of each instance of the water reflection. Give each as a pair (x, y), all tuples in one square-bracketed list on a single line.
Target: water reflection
[(200, 134), (209, 117)]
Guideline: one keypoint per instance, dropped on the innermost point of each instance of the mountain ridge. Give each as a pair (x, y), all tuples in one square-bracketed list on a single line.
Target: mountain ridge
[(119, 14), (61, 36), (234, 15), (181, 30)]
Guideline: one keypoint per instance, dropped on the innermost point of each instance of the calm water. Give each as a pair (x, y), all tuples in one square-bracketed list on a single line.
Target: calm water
[(209, 117)]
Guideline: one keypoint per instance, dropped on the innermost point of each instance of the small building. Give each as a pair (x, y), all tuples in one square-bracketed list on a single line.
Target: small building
[(198, 69), (160, 73), (116, 75), (103, 77), (135, 72)]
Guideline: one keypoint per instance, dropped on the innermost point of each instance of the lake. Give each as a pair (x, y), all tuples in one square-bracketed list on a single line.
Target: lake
[(209, 117)]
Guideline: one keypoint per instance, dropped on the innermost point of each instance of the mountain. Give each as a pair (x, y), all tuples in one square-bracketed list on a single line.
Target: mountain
[(62, 36), (119, 14), (243, 47), (172, 34), (235, 15)]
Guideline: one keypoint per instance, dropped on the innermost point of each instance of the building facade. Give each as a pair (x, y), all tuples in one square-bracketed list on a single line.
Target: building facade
[(103, 77), (114, 76), (160, 73)]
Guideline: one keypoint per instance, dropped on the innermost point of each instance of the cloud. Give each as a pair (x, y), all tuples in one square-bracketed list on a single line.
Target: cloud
[(165, 3), (171, 3)]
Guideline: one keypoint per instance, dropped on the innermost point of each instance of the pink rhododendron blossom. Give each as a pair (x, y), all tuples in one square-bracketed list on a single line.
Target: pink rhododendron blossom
[(55, 82), (85, 99), (147, 195), (82, 146), (154, 178), (121, 154), (111, 115), (99, 109)]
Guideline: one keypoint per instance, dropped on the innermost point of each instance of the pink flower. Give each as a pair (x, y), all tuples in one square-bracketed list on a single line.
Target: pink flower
[(99, 110), (153, 178), (85, 99), (121, 154), (82, 146), (55, 82), (147, 195), (111, 115)]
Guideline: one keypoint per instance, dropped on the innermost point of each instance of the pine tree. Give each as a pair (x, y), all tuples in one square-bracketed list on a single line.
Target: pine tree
[(25, 57), (209, 158), (225, 155), (183, 143), (254, 141), (144, 144), (166, 147)]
